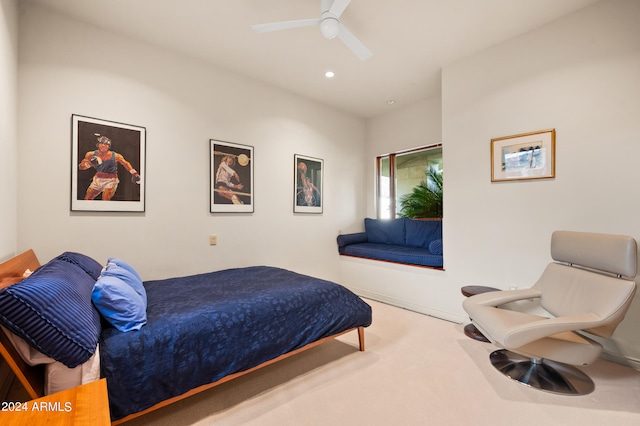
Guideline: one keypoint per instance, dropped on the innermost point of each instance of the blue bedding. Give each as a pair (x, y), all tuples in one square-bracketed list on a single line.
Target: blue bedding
[(204, 327)]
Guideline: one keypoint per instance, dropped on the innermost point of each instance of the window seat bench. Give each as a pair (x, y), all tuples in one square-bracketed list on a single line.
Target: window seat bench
[(407, 241)]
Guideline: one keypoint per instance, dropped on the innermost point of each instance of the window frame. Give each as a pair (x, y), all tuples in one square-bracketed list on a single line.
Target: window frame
[(392, 177)]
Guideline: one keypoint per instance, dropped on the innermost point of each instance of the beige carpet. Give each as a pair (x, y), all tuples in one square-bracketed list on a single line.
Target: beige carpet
[(416, 370)]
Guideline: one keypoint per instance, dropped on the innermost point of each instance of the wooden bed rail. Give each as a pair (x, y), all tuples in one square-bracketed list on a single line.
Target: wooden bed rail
[(239, 374), (31, 377)]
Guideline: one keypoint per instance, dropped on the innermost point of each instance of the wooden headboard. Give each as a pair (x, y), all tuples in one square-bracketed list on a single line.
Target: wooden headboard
[(31, 377), (12, 270)]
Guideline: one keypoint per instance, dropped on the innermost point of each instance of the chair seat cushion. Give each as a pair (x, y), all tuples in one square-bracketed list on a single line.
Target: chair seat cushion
[(504, 327), (496, 323)]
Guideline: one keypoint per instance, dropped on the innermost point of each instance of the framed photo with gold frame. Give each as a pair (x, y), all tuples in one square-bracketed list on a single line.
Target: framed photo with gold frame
[(231, 177), (525, 156)]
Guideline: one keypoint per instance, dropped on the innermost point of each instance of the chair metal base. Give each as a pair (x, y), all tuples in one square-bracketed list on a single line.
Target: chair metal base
[(543, 374)]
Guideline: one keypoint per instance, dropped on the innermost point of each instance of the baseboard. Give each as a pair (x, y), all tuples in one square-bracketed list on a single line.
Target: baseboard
[(619, 359), (447, 316)]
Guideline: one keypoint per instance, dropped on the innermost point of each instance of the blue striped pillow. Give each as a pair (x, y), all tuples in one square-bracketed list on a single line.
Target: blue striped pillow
[(86, 263), (52, 311)]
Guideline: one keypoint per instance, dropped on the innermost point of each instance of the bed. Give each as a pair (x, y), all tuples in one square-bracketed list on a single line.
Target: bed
[(190, 334)]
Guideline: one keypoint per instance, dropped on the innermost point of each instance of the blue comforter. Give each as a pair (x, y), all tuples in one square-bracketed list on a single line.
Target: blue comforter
[(204, 327)]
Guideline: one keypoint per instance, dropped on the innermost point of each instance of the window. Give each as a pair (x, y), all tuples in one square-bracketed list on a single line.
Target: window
[(399, 173)]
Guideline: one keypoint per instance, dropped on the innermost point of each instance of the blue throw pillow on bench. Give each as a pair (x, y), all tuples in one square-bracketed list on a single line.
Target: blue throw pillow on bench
[(435, 247), (420, 233), (385, 231)]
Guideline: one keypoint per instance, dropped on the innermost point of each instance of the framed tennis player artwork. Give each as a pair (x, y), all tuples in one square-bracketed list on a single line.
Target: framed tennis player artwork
[(307, 196), (231, 177), (107, 165)]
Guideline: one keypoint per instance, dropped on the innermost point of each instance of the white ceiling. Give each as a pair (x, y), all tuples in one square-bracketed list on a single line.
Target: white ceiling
[(411, 40)]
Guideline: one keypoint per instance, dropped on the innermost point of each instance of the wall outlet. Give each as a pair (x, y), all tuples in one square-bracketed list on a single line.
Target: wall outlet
[(213, 239)]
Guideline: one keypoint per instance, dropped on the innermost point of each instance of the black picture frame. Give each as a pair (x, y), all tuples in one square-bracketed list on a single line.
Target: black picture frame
[(231, 178), (307, 189), (116, 184)]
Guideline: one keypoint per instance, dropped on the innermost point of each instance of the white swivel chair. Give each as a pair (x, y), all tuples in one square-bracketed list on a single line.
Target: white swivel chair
[(587, 289)]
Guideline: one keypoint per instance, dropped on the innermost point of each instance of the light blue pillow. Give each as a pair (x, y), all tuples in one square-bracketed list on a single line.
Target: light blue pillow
[(435, 247), (121, 263), (119, 303), (130, 278)]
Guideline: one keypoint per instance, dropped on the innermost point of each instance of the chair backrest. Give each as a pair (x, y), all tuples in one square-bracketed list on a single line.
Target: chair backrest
[(592, 273), (615, 254)]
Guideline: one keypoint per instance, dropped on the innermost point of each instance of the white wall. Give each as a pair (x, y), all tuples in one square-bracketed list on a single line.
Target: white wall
[(579, 75), (69, 68), (420, 289), (8, 126), (402, 128)]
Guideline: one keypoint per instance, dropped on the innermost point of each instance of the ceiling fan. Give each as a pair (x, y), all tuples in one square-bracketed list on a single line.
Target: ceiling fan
[(330, 26)]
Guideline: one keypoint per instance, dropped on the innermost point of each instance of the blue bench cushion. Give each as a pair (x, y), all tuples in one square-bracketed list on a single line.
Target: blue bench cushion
[(395, 253), (348, 239), (409, 241), (385, 231), (420, 233)]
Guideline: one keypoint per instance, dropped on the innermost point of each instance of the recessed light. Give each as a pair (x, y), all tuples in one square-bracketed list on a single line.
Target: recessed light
[(391, 102), (329, 74)]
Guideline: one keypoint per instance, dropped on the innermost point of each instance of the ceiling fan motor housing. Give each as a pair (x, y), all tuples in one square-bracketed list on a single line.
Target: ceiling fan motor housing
[(329, 26)]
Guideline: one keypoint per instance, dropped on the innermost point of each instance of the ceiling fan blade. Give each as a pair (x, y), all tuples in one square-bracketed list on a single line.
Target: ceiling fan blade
[(354, 44), (284, 25), (338, 7)]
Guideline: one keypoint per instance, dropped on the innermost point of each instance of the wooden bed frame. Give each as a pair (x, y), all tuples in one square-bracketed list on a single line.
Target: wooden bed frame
[(32, 377)]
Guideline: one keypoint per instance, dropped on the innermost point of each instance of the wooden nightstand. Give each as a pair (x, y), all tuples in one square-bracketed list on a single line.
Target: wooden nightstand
[(83, 405)]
